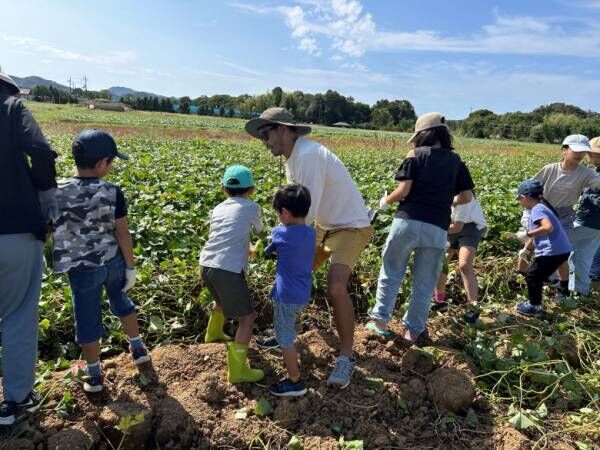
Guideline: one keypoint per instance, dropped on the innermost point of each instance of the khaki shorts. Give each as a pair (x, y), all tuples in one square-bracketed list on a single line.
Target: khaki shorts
[(344, 245)]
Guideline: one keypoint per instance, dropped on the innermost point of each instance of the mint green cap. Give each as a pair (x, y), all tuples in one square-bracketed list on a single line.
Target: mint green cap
[(238, 177)]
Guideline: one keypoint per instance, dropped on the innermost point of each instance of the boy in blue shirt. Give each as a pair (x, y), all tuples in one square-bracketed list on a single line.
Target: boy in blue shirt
[(293, 242), (552, 247)]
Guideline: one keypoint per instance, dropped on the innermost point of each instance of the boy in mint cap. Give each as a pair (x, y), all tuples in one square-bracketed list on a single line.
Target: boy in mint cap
[(224, 261)]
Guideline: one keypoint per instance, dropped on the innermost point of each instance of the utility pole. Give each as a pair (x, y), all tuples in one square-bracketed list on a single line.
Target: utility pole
[(85, 80), (70, 81)]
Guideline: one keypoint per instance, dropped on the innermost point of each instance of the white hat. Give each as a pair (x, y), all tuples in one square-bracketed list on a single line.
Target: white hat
[(577, 143), (8, 85)]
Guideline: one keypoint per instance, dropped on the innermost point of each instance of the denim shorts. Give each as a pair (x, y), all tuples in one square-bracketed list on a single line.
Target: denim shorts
[(86, 287), (284, 318)]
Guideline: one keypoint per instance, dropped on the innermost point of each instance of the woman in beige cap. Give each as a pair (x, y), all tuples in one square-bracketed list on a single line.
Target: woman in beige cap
[(429, 178)]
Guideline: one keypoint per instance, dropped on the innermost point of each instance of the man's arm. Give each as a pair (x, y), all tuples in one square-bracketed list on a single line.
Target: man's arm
[(31, 141)]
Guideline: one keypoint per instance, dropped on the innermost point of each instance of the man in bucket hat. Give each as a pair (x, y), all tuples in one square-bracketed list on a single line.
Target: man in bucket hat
[(27, 205), (340, 213)]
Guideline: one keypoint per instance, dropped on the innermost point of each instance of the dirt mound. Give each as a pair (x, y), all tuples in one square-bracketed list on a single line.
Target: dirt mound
[(181, 400)]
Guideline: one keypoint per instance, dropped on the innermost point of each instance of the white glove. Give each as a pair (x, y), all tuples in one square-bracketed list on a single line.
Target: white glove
[(525, 255), (129, 279), (48, 204), (383, 205), (521, 235)]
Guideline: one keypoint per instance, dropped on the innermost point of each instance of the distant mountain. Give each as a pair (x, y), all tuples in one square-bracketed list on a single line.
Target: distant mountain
[(116, 91), (29, 82), (120, 91)]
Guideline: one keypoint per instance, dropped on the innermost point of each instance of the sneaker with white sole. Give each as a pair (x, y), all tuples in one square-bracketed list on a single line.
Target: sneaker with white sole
[(267, 343), (90, 383), (10, 411), (527, 309), (342, 372), (139, 355), (287, 388)]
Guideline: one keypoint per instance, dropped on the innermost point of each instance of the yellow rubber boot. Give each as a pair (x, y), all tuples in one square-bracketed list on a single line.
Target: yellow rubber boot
[(214, 330), (237, 367)]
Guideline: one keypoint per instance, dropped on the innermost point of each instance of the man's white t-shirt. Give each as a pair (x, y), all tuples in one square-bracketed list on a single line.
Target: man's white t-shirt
[(335, 200)]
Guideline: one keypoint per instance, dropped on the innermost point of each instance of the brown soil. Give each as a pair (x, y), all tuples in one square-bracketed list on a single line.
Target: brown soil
[(182, 401)]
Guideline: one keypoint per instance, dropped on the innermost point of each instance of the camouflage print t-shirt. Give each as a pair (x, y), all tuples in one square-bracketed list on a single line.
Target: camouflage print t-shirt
[(84, 234)]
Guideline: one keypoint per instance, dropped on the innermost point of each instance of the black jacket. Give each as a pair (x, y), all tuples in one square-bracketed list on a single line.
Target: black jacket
[(26, 167)]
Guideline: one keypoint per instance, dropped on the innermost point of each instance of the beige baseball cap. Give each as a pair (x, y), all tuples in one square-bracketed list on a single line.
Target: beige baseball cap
[(595, 145), (427, 121)]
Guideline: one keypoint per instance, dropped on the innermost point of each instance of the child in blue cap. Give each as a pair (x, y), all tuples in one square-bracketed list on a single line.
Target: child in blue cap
[(552, 247), (224, 261)]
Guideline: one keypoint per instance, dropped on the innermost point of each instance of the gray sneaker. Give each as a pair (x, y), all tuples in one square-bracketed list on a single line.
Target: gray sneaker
[(340, 377)]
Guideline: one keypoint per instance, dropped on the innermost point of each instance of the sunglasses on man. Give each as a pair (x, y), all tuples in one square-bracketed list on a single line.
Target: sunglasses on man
[(263, 133)]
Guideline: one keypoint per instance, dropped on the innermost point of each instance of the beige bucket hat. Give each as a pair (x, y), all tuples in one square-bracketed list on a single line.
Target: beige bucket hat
[(7, 85), (595, 145), (427, 121), (276, 115)]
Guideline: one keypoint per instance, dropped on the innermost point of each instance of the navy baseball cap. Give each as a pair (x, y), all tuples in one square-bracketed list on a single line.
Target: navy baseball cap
[(530, 188), (98, 144)]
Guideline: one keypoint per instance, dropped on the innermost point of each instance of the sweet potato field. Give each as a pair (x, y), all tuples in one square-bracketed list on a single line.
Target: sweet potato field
[(518, 383)]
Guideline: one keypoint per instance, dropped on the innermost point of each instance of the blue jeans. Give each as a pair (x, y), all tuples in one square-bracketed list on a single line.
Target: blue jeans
[(428, 244), (20, 283), (585, 242), (284, 322), (86, 285)]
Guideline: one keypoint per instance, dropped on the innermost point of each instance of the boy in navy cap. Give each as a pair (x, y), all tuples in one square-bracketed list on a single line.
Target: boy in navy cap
[(93, 246)]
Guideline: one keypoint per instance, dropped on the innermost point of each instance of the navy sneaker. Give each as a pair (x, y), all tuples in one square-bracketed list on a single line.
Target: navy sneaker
[(139, 355), (267, 343), (287, 388), (527, 309), (90, 383), (9, 411)]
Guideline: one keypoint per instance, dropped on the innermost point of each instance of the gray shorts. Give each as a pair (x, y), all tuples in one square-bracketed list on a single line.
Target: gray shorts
[(469, 236), (230, 291)]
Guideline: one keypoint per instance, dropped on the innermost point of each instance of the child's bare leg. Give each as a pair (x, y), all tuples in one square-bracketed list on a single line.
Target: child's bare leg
[(441, 284), (91, 352), (290, 360), (466, 257), (563, 271), (244, 331), (130, 325)]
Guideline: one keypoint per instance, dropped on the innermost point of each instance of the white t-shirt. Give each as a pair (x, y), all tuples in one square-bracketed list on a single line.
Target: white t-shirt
[(335, 199), (229, 236), (469, 213)]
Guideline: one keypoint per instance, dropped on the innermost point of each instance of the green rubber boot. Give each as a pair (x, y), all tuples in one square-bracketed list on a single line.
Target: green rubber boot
[(214, 330), (237, 367)]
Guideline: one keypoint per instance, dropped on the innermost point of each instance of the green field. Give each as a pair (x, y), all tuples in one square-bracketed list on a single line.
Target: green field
[(540, 376)]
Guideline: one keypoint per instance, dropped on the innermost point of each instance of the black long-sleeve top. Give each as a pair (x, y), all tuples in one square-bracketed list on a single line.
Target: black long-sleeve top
[(26, 167)]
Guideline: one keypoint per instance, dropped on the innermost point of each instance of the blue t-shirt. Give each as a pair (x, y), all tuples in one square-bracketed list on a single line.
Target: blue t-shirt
[(294, 246), (554, 243)]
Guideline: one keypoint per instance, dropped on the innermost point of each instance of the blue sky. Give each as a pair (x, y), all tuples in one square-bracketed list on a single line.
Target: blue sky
[(447, 56)]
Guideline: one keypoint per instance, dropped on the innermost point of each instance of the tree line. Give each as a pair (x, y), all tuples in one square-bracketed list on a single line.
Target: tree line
[(548, 123)]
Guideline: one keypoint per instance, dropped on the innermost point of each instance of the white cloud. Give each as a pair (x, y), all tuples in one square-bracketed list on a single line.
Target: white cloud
[(345, 28), (117, 57)]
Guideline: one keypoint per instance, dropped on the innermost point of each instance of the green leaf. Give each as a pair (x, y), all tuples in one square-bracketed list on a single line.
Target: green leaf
[(521, 421), (156, 324), (263, 407), (351, 445), (295, 444), (374, 383), (336, 427), (542, 411), (583, 445), (402, 404), (241, 414), (472, 418)]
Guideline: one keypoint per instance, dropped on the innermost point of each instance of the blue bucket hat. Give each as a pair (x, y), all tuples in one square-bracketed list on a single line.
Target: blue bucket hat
[(530, 188), (98, 144), (238, 177)]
